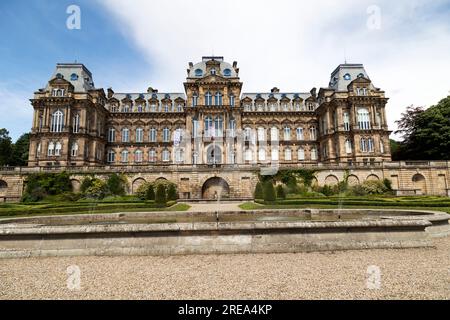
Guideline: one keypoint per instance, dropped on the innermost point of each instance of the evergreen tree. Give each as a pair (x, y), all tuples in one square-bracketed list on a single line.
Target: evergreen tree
[(259, 193), (172, 194), (280, 192), (20, 151), (160, 197), (6, 148), (269, 192), (150, 193)]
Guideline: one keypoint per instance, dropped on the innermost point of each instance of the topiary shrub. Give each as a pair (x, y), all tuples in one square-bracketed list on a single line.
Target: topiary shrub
[(172, 194), (160, 197), (269, 192), (259, 193), (116, 184), (374, 187), (150, 193), (280, 192), (98, 190)]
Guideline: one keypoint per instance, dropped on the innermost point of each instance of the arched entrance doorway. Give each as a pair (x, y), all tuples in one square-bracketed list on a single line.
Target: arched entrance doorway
[(214, 155), (215, 189), (420, 184)]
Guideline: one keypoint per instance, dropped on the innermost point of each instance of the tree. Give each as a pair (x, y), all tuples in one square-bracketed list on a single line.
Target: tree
[(280, 192), (160, 195), (269, 192), (259, 193), (150, 193), (426, 132), (116, 184), (20, 151), (6, 148), (172, 194)]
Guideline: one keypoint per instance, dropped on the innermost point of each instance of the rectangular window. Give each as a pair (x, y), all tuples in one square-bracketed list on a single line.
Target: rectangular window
[(300, 134)]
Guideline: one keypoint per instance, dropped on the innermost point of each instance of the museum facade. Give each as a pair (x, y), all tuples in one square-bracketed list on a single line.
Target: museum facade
[(214, 135)]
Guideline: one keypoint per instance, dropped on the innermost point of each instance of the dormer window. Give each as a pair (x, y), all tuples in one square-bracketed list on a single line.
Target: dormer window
[(198, 73), (227, 73), (58, 92), (59, 76), (361, 91), (213, 71), (73, 77), (347, 77)]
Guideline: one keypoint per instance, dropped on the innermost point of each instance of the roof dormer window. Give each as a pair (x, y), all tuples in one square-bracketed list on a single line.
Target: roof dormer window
[(213, 71), (73, 77), (347, 76), (227, 73), (198, 73)]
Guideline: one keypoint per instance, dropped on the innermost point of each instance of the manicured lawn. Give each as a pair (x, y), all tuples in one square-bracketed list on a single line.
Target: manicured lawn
[(419, 203), (68, 208)]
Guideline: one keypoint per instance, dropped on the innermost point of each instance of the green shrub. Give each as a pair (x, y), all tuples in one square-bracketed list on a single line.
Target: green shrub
[(117, 184), (98, 190), (269, 192), (86, 183), (358, 190), (374, 187), (40, 185), (150, 193), (388, 184), (172, 194), (160, 197), (280, 192), (259, 193)]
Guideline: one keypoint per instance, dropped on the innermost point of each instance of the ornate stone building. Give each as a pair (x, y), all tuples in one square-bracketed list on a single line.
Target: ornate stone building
[(212, 122), (213, 138)]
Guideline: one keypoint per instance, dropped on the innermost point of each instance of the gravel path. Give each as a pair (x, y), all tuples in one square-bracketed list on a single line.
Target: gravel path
[(406, 274)]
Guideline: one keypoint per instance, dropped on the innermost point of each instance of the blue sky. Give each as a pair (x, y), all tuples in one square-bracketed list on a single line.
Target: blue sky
[(294, 45)]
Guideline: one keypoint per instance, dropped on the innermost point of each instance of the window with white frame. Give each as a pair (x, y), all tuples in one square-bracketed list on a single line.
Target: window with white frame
[(370, 145), (58, 149), (275, 154), (261, 134), (274, 136), (74, 150), (248, 154), (218, 99), (180, 107), (300, 136), (153, 107), (378, 116), (179, 155), (152, 155), (363, 119), (51, 149), (287, 134), (111, 135), (126, 108), (314, 153), (153, 135), (76, 123), (346, 120), (57, 124), (125, 135), (301, 154), (194, 100), (348, 146), (288, 154), (111, 156), (38, 149), (166, 135), (313, 133), (138, 156), (232, 128), (247, 134), (381, 146), (139, 135), (166, 155), (125, 154), (208, 99), (262, 154), (363, 145), (232, 100)]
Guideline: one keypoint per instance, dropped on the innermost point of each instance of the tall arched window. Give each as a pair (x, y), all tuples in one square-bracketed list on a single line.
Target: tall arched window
[(287, 134), (363, 119), (195, 100), (152, 155), (261, 134), (275, 154), (274, 134), (138, 156), (218, 100), (208, 126), (51, 149), (346, 120), (58, 149), (301, 154), (262, 154), (363, 145), (314, 153), (370, 145), (348, 146), (125, 135), (139, 135), (313, 133), (166, 135), (218, 125), (74, 149), (111, 156), (300, 136), (111, 135), (76, 123), (208, 99), (125, 156), (232, 100), (57, 121), (288, 154), (166, 155), (153, 135)]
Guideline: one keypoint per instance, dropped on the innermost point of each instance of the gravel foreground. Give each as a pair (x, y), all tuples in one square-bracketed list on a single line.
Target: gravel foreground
[(406, 274)]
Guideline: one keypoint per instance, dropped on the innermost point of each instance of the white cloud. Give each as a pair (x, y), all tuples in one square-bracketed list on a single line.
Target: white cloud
[(295, 45), (15, 111)]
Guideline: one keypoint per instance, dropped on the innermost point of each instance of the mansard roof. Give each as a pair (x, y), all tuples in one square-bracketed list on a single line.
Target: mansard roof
[(344, 74), (278, 96), (149, 96)]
